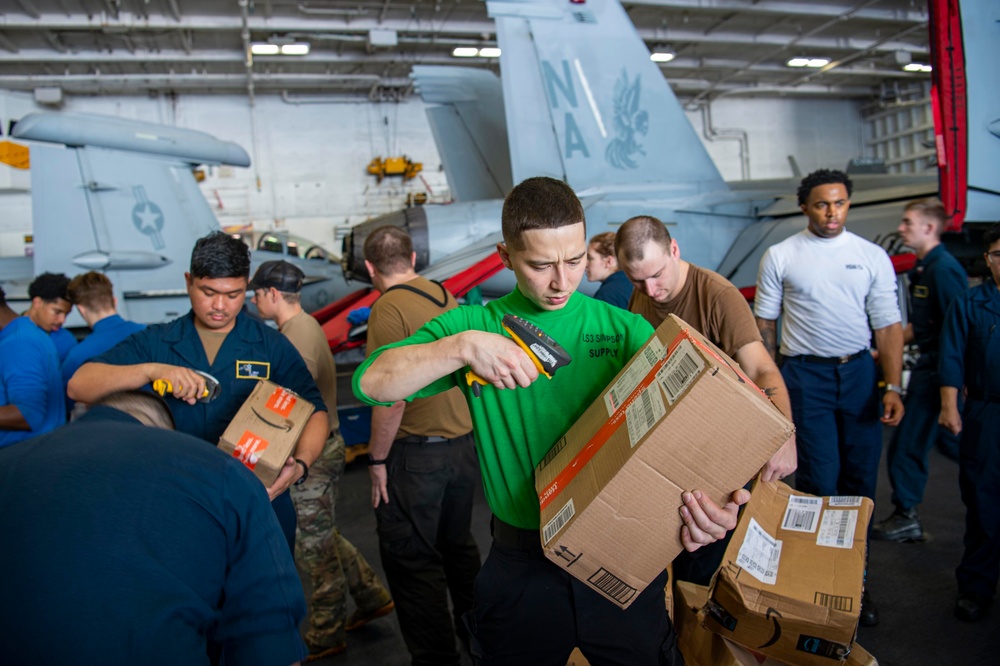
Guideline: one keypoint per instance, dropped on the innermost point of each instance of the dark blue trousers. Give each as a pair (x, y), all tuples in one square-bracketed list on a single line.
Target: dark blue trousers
[(913, 439), (836, 410), (979, 480)]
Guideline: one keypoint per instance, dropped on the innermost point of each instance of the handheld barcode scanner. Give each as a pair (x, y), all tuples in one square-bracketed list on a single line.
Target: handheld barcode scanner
[(547, 354), (211, 392)]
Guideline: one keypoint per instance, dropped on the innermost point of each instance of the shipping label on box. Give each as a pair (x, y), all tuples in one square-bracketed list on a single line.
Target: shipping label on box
[(791, 581), (264, 432), (680, 416)]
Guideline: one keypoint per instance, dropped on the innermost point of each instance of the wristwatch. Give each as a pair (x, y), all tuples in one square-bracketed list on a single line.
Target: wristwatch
[(374, 461), (305, 475), (894, 388)]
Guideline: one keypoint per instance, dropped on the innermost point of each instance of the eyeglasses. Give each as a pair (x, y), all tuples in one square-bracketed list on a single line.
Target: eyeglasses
[(994, 255)]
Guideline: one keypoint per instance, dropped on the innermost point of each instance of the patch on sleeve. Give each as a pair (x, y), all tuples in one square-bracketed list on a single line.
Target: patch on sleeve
[(253, 370)]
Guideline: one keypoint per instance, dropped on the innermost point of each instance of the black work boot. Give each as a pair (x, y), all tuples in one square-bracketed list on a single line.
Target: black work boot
[(869, 611), (902, 525)]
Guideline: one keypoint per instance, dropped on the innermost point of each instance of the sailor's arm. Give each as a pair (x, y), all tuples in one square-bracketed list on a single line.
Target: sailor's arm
[(95, 380), (400, 372)]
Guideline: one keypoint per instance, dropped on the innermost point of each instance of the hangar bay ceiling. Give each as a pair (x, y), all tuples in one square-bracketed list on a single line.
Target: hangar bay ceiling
[(712, 48)]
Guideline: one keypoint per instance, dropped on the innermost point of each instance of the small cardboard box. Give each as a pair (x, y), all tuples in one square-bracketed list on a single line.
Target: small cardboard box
[(700, 646), (680, 416), (791, 581), (264, 432)]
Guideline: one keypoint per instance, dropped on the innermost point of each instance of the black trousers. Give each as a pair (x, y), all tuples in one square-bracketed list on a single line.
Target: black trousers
[(530, 611), (426, 544)]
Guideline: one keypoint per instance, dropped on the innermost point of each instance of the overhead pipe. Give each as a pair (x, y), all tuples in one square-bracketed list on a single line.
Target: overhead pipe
[(713, 134)]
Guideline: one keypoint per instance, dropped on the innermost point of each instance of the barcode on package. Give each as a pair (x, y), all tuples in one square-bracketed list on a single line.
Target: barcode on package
[(834, 601), (836, 530), (845, 500), (802, 513), (553, 452), (760, 554), (613, 586), (633, 376), (644, 412), (680, 370), (553, 526)]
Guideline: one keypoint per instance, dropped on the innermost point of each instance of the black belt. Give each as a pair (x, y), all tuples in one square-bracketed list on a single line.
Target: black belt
[(515, 537), (829, 360), (418, 439), (984, 396)]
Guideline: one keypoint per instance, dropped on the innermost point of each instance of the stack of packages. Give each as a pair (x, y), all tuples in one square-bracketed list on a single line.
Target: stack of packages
[(789, 588)]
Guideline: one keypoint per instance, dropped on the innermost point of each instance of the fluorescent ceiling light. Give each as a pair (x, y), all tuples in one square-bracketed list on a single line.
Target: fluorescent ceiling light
[(465, 52), (298, 48), (917, 67), (808, 62), (662, 56), (264, 48), (489, 52)]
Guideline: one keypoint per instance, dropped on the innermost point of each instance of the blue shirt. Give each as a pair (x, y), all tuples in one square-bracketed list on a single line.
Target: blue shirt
[(970, 342), (64, 342), (136, 545), (936, 281), (30, 379), (106, 333), (252, 351), (616, 290)]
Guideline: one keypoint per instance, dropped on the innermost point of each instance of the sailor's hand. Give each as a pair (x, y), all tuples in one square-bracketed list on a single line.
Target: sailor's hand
[(185, 383), (704, 521), (380, 485), (951, 419), (893, 404), (782, 463), (498, 360), (288, 475)]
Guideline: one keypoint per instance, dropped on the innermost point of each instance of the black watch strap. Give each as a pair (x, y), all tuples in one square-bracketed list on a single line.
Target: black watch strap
[(374, 461), (305, 469)]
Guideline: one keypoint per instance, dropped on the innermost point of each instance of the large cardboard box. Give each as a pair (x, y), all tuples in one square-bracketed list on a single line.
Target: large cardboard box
[(791, 581), (680, 416), (264, 432)]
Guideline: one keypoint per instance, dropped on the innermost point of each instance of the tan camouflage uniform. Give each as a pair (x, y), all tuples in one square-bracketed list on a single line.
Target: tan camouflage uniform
[(334, 565)]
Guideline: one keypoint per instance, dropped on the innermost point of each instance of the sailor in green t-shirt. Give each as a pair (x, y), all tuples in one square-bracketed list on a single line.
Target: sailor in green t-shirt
[(527, 610)]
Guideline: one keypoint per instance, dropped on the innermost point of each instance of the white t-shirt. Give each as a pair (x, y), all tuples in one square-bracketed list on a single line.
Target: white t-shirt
[(833, 292)]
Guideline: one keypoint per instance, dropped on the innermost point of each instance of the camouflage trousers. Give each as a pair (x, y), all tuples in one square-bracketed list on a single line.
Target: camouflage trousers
[(334, 565)]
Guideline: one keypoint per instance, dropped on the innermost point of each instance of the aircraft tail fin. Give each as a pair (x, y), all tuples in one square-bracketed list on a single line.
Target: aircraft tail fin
[(106, 205), (469, 129), (592, 117)]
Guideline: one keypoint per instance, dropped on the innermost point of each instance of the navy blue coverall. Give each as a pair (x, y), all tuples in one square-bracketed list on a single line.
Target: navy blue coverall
[(935, 283), (252, 351), (970, 356)]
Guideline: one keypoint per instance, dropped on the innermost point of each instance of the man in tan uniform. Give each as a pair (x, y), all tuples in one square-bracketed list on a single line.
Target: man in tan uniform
[(423, 467), (332, 562), (665, 284)]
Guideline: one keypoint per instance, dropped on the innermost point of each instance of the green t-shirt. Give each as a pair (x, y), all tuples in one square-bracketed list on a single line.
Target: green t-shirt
[(515, 428)]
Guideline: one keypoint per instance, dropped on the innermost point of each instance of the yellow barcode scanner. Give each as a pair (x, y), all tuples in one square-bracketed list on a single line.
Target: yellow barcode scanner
[(211, 392), (547, 354)]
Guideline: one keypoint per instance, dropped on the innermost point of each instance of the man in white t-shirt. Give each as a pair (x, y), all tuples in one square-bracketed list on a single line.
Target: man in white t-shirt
[(834, 289)]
